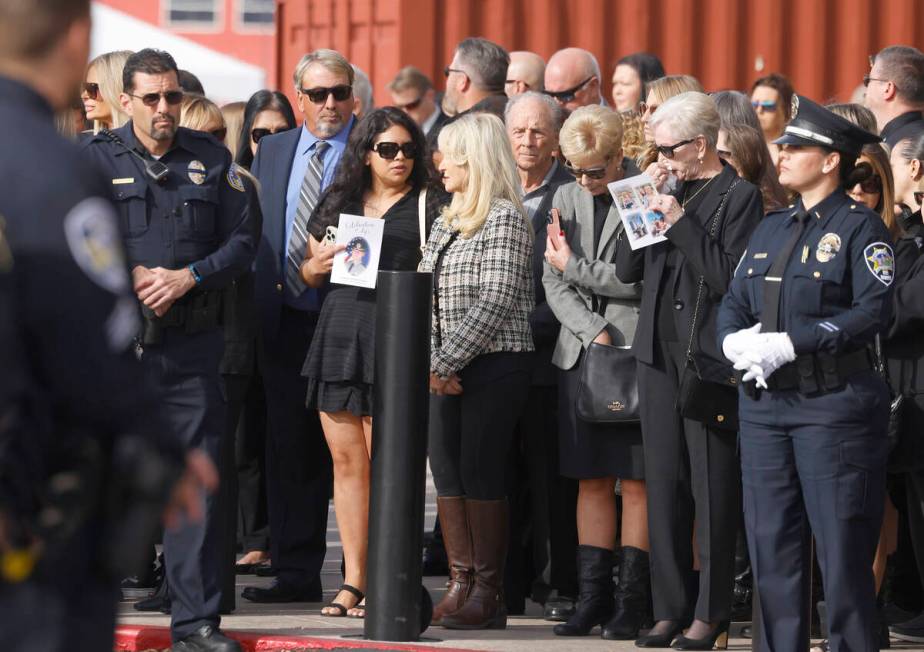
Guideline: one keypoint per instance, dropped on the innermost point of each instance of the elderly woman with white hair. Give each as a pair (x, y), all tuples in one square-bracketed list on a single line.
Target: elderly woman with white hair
[(480, 254), (687, 393)]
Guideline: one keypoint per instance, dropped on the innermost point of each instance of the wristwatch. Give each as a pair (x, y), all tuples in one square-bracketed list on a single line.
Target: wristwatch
[(195, 273)]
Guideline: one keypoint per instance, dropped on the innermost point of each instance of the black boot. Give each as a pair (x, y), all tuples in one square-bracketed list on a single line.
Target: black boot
[(633, 597), (595, 602)]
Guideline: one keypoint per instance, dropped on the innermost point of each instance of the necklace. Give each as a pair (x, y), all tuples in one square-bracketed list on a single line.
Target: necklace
[(703, 187)]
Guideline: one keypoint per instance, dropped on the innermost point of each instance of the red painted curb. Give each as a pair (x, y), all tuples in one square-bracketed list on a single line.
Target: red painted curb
[(135, 638)]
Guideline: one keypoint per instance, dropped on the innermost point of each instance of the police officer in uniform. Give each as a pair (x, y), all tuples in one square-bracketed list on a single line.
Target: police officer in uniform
[(183, 212), (809, 295), (78, 424)]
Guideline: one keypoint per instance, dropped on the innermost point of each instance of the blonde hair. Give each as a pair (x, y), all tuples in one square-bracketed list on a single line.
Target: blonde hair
[(479, 142), (591, 133), (234, 121), (197, 112), (661, 90), (330, 59), (633, 134), (108, 67)]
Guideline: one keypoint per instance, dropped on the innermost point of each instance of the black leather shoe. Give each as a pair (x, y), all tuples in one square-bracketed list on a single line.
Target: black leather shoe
[(207, 639), (160, 601), (285, 592), (265, 571), (558, 609), (661, 640)]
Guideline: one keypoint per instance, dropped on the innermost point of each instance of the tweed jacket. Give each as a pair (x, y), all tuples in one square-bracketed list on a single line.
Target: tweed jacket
[(588, 272), (485, 289)]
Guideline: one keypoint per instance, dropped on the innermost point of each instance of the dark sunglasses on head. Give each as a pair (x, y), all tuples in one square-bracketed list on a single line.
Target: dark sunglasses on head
[(410, 106), (591, 173), (319, 95), (568, 94), (153, 99), (257, 134), (667, 151), (765, 105), (864, 176), (389, 151), (91, 89)]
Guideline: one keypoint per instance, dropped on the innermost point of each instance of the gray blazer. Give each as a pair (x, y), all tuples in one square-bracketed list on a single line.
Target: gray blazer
[(570, 294)]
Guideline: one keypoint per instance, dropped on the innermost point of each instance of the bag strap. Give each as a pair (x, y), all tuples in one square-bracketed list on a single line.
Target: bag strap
[(437, 268), (422, 217), (713, 228)]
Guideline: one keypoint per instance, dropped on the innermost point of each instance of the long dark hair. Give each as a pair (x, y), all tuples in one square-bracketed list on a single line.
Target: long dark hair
[(749, 149), (261, 101), (354, 177)]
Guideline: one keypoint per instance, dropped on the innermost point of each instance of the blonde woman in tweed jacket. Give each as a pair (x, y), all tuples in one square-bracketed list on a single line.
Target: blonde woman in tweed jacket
[(480, 254)]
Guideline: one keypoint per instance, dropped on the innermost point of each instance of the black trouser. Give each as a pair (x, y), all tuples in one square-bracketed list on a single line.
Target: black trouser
[(471, 434), (184, 368), (298, 464), (692, 476)]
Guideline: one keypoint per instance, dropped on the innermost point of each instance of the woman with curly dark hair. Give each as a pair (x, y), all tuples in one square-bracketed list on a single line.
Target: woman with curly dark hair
[(381, 175), (267, 112)]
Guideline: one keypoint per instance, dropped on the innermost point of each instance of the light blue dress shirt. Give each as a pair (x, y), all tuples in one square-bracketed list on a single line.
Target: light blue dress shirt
[(303, 152)]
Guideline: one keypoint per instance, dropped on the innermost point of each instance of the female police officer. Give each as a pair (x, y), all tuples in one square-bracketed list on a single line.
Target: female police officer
[(808, 297)]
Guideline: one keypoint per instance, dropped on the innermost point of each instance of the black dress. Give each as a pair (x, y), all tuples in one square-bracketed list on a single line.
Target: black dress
[(340, 362), (595, 450)]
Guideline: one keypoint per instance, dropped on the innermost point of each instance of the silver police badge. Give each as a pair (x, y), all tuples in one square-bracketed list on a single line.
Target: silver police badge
[(196, 172), (828, 247)]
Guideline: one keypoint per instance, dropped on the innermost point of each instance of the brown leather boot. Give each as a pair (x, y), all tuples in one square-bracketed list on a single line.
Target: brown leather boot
[(458, 542), (485, 608)]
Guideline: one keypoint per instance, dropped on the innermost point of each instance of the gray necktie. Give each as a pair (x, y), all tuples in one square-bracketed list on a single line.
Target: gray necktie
[(307, 199)]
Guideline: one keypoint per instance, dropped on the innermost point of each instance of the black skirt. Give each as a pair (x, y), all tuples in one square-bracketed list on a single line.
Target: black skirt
[(594, 450)]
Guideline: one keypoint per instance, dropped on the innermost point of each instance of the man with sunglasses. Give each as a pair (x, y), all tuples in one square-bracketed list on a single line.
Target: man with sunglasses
[(895, 91), (294, 167), (188, 234), (572, 78), (412, 92)]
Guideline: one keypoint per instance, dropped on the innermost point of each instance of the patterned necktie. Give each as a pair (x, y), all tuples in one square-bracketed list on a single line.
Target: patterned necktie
[(307, 199), (773, 281)]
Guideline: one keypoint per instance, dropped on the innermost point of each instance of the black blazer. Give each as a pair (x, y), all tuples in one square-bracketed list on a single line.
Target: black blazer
[(713, 258)]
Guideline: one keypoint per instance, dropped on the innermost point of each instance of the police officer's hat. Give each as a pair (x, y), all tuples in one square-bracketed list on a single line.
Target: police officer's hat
[(812, 124)]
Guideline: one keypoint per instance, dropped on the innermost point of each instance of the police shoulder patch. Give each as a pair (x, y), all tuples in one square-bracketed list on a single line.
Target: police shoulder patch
[(234, 178), (94, 241), (880, 261)]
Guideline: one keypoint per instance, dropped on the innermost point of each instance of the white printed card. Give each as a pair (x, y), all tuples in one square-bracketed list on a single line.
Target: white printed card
[(359, 264)]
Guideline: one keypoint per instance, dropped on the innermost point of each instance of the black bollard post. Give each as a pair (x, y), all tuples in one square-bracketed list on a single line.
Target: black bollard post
[(399, 457)]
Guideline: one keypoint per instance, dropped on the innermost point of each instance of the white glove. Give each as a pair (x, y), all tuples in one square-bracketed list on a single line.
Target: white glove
[(772, 352), (735, 344)]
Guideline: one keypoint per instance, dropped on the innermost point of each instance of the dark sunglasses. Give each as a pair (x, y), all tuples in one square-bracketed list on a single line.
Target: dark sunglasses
[(868, 180), (765, 105), (257, 134), (91, 89), (644, 107), (448, 71), (388, 151), (219, 133), (667, 151), (723, 154), (319, 95), (410, 106), (867, 79), (153, 99), (567, 95), (591, 173)]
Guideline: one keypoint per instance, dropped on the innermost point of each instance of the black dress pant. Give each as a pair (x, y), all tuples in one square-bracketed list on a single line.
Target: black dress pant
[(692, 475), (298, 464)]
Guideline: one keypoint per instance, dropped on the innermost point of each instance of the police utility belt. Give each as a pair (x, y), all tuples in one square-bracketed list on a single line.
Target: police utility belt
[(816, 373), (196, 313)]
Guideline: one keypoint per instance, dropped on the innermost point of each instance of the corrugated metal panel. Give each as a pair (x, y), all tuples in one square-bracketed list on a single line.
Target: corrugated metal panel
[(822, 45)]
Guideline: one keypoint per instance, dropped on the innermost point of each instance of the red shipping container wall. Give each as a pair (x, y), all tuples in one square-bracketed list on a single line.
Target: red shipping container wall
[(822, 45)]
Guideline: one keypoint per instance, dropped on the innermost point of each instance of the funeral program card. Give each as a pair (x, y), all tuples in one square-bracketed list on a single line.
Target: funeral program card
[(644, 227), (359, 263)]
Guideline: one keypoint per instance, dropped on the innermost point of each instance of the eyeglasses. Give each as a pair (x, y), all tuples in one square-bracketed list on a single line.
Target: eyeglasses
[(257, 134), (723, 153), (219, 133), (864, 176), (644, 107), (765, 105), (591, 173), (388, 151), (153, 99), (567, 95), (91, 89), (867, 79), (319, 95), (667, 151), (410, 106), (448, 71)]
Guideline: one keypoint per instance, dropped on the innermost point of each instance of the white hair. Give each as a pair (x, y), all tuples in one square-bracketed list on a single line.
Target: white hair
[(689, 115)]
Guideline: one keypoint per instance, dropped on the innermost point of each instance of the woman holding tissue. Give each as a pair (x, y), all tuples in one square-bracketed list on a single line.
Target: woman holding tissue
[(691, 466), (381, 176), (806, 302), (594, 306)]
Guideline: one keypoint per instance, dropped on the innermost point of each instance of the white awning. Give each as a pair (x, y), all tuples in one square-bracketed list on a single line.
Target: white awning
[(224, 78)]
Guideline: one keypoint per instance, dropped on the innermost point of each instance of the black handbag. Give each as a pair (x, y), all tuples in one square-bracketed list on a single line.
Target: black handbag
[(699, 398)]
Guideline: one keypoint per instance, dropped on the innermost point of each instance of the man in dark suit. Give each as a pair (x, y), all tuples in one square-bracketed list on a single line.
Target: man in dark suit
[(548, 500), (895, 91), (294, 167)]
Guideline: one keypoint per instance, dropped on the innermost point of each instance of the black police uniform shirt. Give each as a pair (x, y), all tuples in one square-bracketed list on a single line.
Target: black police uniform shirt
[(836, 289), (197, 216), (67, 311)]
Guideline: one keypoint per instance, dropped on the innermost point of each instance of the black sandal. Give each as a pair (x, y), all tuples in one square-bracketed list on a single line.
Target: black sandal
[(342, 610)]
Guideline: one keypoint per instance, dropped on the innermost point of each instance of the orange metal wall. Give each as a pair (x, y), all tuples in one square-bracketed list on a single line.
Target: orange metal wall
[(821, 44)]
